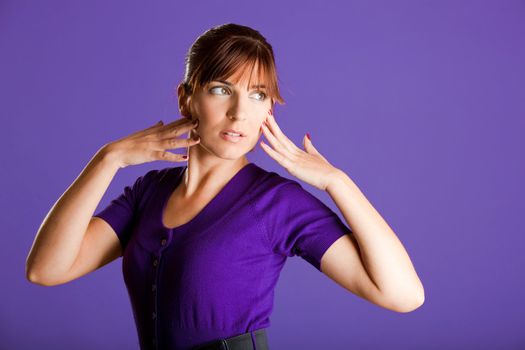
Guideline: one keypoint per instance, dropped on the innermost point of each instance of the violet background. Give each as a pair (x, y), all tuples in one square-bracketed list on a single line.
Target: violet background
[(421, 103)]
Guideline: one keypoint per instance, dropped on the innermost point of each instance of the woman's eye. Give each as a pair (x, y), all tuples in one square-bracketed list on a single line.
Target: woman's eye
[(218, 88), (263, 96), (221, 88)]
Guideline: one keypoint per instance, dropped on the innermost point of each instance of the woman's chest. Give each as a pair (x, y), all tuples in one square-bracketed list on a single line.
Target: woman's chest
[(179, 211), (209, 250)]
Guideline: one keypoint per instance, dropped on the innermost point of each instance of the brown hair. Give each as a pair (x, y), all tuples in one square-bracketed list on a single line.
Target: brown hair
[(220, 51)]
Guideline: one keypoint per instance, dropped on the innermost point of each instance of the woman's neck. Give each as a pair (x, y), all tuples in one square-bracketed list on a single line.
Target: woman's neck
[(202, 178)]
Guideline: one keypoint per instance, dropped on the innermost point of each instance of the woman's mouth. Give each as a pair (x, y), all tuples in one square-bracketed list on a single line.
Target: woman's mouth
[(232, 136)]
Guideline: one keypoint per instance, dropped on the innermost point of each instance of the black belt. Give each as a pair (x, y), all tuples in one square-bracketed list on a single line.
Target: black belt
[(239, 342)]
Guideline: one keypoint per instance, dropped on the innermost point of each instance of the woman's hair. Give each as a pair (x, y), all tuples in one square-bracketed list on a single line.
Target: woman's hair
[(220, 51)]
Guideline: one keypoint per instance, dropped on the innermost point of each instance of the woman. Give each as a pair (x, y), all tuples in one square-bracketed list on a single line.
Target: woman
[(203, 244)]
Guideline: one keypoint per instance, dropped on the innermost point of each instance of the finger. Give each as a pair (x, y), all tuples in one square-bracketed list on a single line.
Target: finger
[(270, 136), (179, 129), (177, 122), (310, 148), (279, 158), (159, 123), (276, 130), (149, 129), (173, 143), (159, 126), (180, 121), (274, 142), (156, 125), (169, 156)]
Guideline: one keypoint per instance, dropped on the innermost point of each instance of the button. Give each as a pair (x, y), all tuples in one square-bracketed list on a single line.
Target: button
[(163, 242), (154, 315), (154, 287), (155, 262)]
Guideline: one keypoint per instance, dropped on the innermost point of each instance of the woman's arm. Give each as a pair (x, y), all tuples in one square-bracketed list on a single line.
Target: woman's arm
[(371, 262), (59, 238), (69, 243), (383, 256)]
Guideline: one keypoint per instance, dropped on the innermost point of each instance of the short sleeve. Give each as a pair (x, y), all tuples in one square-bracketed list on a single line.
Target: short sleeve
[(300, 224), (121, 212)]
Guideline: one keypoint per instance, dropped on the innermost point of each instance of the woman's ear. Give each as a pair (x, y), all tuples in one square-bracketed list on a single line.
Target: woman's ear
[(184, 101)]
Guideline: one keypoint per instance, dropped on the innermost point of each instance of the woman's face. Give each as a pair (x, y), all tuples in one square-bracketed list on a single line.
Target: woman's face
[(223, 105)]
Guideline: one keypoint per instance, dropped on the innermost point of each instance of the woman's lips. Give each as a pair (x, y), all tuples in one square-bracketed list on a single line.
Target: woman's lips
[(231, 138)]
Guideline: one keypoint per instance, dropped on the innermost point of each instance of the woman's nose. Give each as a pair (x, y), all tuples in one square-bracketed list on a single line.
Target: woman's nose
[(236, 117), (239, 109)]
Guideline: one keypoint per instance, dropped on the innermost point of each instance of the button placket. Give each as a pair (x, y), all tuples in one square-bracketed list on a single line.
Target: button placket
[(154, 288)]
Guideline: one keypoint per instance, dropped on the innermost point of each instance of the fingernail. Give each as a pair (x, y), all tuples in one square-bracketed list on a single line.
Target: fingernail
[(185, 156), (196, 137), (308, 135)]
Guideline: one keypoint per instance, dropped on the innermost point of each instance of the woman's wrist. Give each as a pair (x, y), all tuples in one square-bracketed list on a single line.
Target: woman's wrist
[(107, 155)]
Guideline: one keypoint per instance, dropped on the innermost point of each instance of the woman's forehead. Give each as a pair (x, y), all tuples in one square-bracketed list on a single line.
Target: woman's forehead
[(241, 76)]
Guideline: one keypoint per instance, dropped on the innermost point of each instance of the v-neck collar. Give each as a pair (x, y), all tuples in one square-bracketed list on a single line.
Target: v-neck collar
[(211, 212)]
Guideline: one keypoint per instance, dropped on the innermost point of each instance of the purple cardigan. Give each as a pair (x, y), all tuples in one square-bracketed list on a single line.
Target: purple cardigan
[(214, 276)]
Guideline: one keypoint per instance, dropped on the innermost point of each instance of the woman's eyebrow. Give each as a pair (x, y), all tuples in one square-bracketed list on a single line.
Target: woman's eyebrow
[(255, 86)]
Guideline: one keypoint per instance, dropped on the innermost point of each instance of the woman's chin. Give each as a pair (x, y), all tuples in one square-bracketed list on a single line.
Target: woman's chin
[(229, 150), (233, 154)]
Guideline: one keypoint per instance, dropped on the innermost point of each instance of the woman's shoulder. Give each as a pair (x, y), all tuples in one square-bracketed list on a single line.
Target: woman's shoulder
[(262, 179), (154, 177), (273, 182)]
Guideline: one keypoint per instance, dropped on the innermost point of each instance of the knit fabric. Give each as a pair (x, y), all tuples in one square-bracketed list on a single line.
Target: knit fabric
[(214, 276)]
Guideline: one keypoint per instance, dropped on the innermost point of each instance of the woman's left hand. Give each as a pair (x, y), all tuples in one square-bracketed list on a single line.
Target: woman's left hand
[(309, 165)]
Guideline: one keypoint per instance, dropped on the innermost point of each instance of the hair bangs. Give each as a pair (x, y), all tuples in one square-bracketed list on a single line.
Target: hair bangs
[(240, 54)]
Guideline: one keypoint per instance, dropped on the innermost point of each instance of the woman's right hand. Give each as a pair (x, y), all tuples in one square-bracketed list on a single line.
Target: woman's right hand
[(152, 144)]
